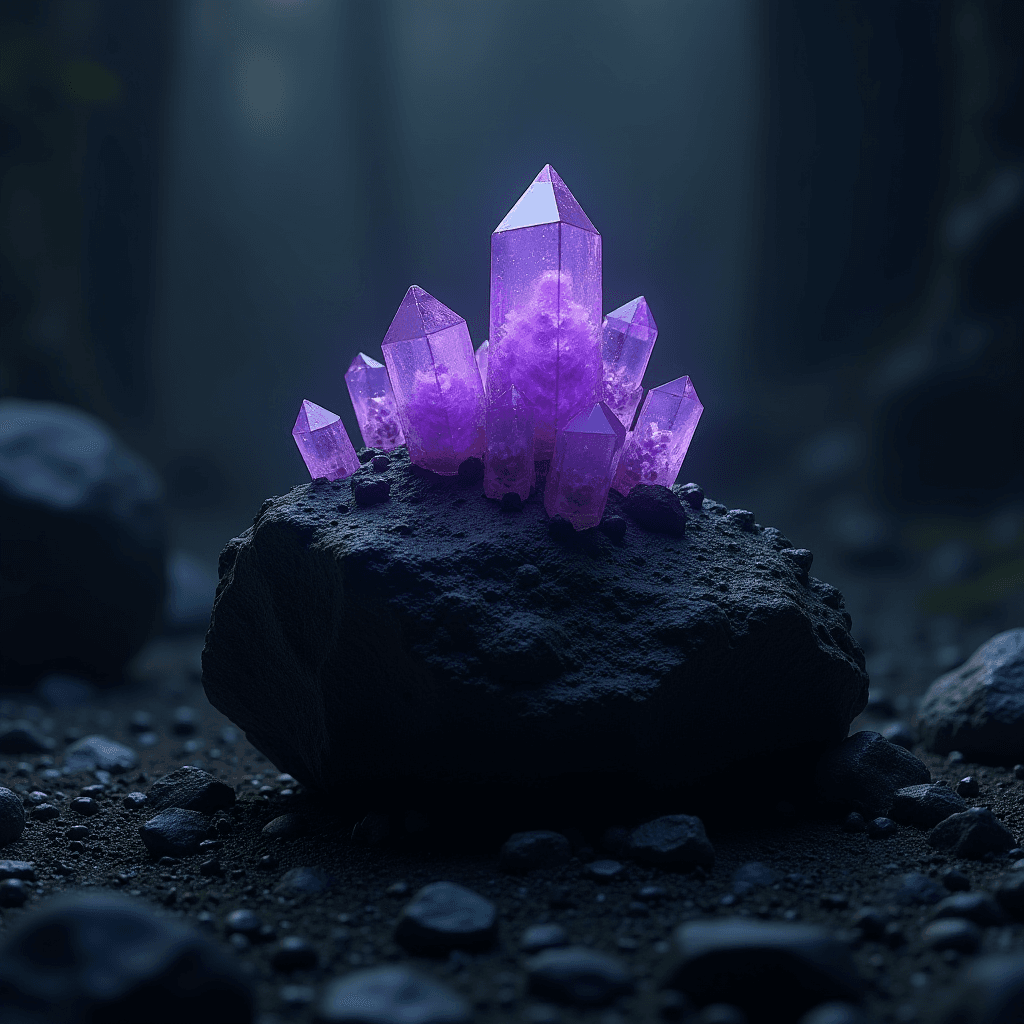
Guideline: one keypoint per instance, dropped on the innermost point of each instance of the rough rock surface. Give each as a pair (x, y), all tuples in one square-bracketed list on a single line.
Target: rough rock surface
[(400, 642), (925, 806), (972, 833), (978, 708), (82, 543), (192, 789)]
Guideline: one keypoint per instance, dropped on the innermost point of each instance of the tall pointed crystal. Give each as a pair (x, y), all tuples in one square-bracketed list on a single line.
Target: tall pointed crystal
[(655, 450), (373, 399), (627, 341), (324, 443), (508, 464), (482, 354), (582, 466), (438, 391), (546, 306)]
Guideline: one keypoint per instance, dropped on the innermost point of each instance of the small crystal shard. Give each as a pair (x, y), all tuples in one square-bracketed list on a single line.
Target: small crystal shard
[(582, 466), (627, 340), (323, 443), (655, 449), (437, 387), (508, 464), (373, 399), (481, 362), (546, 306)]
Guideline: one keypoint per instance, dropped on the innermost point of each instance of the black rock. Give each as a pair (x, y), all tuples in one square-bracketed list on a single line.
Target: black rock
[(543, 936), (134, 800), (511, 502), (12, 817), (12, 892), (174, 832), (1009, 892), (881, 828), (656, 508), (294, 953), (45, 812), (394, 994), (603, 870), (866, 770), (552, 669), (244, 922), (471, 470), (968, 786), (578, 976), (741, 519), (972, 833), (917, 890), (925, 806), (990, 990), (22, 738), (83, 543), (108, 958), (978, 708), (980, 907), (676, 840), (287, 826), (776, 539), (92, 752), (23, 869), (379, 463), (952, 933), (365, 455), (443, 916), (561, 530), (854, 822), (85, 806), (527, 851), (304, 881), (955, 880), (192, 789), (772, 971), (613, 527), (800, 557), (692, 494), (369, 492)]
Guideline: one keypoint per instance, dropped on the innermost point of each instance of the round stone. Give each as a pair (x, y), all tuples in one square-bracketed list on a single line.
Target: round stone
[(394, 994), (952, 933), (577, 975), (85, 806), (12, 892), (12, 816), (444, 916), (294, 953), (543, 936)]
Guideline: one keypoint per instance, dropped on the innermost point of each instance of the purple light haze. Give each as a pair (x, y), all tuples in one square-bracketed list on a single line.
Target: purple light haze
[(323, 443), (481, 362), (546, 305), (374, 402), (582, 466), (508, 464), (627, 340), (655, 450), (437, 387)]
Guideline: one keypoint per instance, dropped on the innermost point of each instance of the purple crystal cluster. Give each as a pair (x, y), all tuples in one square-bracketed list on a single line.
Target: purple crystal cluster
[(552, 382)]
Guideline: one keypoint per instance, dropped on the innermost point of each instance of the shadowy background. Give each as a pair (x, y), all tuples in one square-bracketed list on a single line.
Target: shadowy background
[(208, 207)]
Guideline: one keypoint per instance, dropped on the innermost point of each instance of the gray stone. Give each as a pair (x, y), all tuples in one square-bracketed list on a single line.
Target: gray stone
[(917, 890), (753, 964), (92, 752), (174, 832), (191, 788), (287, 826), (978, 708), (972, 833), (304, 881), (954, 933), (676, 840), (22, 738), (979, 907), (12, 816), (990, 990), (443, 916), (118, 961), (527, 851), (543, 936), (23, 869), (925, 805), (578, 976), (752, 875), (865, 771), (317, 627), (395, 994), (83, 543)]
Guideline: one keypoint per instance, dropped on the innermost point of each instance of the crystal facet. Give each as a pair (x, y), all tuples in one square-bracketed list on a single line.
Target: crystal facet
[(582, 466), (323, 443), (373, 399), (438, 391), (655, 450), (508, 465), (627, 340), (481, 362), (546, 306)]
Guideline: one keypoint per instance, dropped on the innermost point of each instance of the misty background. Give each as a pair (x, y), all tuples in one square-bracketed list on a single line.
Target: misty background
[(208, 207)]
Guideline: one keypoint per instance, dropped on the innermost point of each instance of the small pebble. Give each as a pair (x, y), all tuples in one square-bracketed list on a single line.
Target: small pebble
[(952, 933), (79, 832), (244, 922), (603, 870), (13, 892), (882, 828), (85, 806), (543, 936), (968, 787), (855, 823), (577, 975), (45, 812), (443, 916), (294, 954), (379, 463), (134, 800)]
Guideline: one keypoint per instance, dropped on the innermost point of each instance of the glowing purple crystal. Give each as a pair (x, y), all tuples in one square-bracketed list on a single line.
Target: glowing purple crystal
[(508, 464), (582, 466), (437, 387), (374, 402), (546, 305), (481, 362), (323, 443), (627, 340), (655, 450)]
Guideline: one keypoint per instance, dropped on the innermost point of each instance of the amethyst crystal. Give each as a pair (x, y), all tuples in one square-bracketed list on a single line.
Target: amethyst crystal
[(440, 398), (627, 340), (546, 305), (508, 465), (323, 443), (374, 402), (582, 466), (481, 362)]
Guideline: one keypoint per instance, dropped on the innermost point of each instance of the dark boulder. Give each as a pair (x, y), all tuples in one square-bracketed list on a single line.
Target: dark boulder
[(192, 789), (676, 840), (972, 834), (174, 832), (578, 976), (443, 916), (925, 806)]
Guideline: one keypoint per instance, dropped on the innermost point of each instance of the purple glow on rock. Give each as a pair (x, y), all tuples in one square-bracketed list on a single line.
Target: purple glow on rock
[(582, 466), (374, 402), (323, 443), (627, 340), (481, 362), (546, 306), (437, 387), (508, 464), (655, 450)]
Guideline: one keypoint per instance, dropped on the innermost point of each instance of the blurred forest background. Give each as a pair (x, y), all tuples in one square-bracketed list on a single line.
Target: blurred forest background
[(208, 207)]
